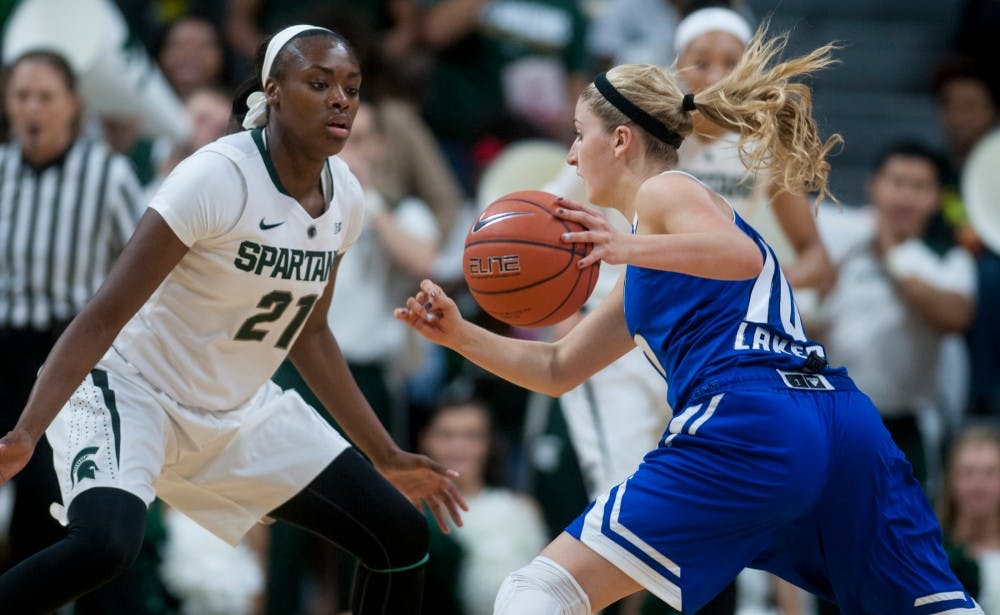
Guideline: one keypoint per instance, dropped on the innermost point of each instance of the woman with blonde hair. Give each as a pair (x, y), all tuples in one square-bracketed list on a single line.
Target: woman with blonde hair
[(969, 506), (772, 459)]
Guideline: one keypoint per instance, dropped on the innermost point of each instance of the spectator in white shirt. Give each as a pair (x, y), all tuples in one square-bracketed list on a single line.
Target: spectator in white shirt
[(897, 297)]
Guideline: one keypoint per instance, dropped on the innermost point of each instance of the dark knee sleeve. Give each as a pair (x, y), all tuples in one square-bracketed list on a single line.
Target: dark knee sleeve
[(405, 530), (398, 592), (352, 505), (106, 528)]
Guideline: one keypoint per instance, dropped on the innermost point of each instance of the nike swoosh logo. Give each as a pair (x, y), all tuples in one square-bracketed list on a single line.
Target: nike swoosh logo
[(488, 220), (266, 227)]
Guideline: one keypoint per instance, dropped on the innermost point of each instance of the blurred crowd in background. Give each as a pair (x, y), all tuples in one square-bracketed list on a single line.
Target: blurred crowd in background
[(453, 89)]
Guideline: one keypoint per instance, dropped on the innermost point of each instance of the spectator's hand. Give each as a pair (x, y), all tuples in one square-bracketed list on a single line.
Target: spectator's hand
[(433, 315), (425, 481), (16, 449)]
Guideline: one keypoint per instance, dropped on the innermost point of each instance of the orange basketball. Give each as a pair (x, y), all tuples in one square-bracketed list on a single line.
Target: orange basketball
[(518, 268)]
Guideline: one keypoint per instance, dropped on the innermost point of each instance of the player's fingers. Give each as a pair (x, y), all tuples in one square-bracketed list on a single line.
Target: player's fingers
[(414, 306), (406, 316), (435, 508), (424, 323), (588, 260), (452, 507), (433, 290), (456, 496), (437, 467), (579, 237), (590, 221), (570, 204), (576, 215), (418, 310)]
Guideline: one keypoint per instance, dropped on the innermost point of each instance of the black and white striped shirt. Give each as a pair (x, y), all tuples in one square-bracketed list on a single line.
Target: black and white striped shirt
[(60, 229)]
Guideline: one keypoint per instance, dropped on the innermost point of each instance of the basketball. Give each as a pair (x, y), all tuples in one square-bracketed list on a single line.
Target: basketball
[(517, 267)]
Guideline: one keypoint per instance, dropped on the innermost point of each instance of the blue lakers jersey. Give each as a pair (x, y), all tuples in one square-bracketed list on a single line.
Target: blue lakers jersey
[(694, 330)]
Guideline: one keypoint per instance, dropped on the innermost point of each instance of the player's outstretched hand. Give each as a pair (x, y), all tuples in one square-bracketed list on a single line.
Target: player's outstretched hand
[(610, 245), (432, 313), (425, 481), (15, 451)]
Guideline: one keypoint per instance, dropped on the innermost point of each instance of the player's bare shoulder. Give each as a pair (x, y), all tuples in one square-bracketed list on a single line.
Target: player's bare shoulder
[(674, 201)]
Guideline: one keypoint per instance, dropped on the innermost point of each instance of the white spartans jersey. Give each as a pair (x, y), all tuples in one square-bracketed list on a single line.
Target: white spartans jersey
[(717, 164), (224, 319)]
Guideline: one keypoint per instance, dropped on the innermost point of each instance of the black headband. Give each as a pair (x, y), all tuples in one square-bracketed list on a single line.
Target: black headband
[(634, 113)]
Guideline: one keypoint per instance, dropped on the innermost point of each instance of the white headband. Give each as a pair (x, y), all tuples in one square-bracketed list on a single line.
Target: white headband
[(711, 20), (257, 101)]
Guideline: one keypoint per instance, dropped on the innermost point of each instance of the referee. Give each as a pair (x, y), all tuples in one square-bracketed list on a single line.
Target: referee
[(67, 206)]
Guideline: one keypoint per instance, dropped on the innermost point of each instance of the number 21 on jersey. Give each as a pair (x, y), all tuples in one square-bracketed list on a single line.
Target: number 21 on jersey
[(274, 304)]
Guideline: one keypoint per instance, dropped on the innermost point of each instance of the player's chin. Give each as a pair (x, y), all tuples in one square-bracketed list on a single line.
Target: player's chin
[(334, 149), (334, 142)]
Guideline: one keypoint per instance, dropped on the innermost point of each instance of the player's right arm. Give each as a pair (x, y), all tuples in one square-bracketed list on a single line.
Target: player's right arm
[(546, 367), (147, 258), (190, 204)]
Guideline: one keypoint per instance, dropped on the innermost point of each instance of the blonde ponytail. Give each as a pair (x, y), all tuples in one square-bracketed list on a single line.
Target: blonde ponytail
[(773, 115)]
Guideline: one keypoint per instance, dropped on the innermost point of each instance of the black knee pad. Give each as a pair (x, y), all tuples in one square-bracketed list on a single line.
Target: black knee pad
[(106, 529), (405, 535), (352, 505)]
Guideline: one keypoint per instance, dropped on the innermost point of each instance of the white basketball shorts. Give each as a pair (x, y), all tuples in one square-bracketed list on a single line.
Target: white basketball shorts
[(615, 418), (225, 469)]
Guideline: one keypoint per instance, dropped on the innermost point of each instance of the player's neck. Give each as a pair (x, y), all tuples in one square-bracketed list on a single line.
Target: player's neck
[(299, 172), (630, 182)]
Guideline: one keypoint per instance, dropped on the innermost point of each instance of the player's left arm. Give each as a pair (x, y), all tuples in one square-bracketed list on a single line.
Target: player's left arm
[(812, 267), (681, 229), (317, 357)]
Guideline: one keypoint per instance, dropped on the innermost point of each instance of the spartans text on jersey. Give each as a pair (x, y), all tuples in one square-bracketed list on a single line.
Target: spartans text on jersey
[(285, 263)]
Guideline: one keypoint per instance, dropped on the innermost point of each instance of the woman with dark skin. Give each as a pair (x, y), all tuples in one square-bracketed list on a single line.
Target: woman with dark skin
[(184, 373)]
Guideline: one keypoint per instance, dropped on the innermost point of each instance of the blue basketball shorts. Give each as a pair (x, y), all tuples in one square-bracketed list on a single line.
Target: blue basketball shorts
[(802, 481)]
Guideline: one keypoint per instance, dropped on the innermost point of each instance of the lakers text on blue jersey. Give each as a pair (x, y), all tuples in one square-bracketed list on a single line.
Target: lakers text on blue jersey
[(756, 337)]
